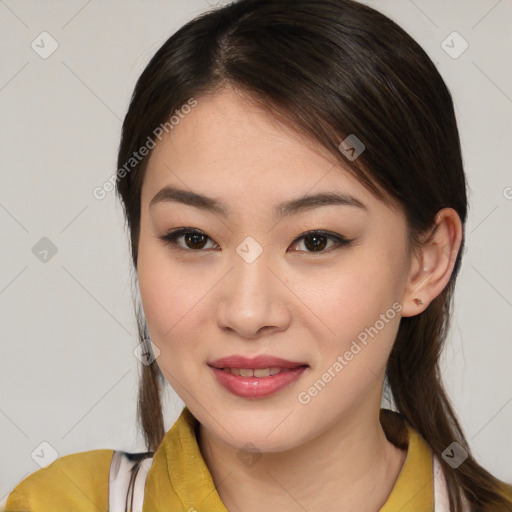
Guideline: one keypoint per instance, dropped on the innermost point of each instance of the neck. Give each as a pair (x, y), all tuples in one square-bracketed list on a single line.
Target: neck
[(349, 467)]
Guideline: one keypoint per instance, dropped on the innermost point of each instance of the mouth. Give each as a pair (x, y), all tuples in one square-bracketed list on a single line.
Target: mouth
[(257, 377), (258, 372)]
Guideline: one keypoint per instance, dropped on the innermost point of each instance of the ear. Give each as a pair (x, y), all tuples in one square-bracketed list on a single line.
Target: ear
[(432, 263)]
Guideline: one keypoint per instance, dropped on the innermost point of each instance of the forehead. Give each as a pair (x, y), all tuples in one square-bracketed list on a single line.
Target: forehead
[(230, 125), (227, 146)]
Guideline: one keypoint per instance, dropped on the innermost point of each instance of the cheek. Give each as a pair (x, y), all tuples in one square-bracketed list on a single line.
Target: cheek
[(168, 294), (359, 310), (157, 292), (168, 308), (353, 295), (354, 338), (178, 305)]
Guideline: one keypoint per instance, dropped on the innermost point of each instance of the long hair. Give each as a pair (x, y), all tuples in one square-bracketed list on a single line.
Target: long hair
[(329, 68)]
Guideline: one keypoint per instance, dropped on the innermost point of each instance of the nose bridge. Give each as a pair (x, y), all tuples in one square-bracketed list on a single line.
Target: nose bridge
[(252, 283), (253, 296), (251, 272)]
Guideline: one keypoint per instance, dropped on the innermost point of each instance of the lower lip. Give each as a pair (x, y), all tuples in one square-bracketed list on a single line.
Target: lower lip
[(257, 387)]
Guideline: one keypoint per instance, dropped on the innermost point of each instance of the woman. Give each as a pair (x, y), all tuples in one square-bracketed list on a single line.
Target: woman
[(292, 180)]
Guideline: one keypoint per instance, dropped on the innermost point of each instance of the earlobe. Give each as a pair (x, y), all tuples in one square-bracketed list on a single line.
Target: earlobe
[(433, 263)]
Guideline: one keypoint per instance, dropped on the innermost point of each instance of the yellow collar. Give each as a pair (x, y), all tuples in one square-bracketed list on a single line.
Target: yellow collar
[(180, 479)]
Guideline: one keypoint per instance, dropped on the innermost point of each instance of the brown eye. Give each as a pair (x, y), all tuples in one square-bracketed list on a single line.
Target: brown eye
[(316, 241), (193, 239)]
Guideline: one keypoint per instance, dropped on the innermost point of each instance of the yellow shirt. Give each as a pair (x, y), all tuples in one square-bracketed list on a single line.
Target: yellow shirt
[(179, 479)]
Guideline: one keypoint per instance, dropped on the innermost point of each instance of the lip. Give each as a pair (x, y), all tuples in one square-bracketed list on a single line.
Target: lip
[(257, 387), (258, 362)]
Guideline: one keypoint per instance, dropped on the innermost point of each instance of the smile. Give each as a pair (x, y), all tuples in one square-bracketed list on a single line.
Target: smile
[(259, 382)]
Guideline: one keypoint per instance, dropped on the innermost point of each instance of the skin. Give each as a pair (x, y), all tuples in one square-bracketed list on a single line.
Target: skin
[(330, 454)]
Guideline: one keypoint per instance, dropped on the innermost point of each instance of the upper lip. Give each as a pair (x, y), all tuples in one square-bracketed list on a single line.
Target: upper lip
[(262, 361)]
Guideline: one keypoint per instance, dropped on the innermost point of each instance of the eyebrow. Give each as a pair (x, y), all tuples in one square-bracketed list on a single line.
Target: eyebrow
[(284, 209)]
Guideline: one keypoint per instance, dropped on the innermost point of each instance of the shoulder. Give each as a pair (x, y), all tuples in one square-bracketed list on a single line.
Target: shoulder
[(72, 482)]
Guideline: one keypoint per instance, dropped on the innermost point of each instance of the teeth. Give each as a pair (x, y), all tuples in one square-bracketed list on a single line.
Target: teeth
[(262, 372), (258, 372)]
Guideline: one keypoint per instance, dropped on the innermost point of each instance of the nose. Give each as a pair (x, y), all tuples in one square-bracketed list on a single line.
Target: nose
[(254, 300)]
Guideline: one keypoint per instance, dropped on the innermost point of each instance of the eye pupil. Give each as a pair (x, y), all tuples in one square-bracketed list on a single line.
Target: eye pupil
[(319, 242), (194, 237)]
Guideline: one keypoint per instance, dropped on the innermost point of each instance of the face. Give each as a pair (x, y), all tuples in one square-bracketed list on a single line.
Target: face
[(319, 284)]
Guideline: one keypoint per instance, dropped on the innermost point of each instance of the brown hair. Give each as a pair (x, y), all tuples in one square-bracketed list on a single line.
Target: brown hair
[(330, 68)]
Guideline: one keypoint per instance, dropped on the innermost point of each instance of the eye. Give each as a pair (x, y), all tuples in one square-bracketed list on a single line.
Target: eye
[(316, 241), (195, 240)]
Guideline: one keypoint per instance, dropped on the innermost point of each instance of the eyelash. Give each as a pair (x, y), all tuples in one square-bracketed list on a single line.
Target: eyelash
[(172, 236)]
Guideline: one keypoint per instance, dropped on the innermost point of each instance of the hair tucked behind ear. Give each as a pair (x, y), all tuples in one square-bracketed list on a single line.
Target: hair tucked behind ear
[(331, 68)]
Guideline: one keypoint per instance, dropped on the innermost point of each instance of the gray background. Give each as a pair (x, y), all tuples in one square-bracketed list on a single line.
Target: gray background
[(68, 373)]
